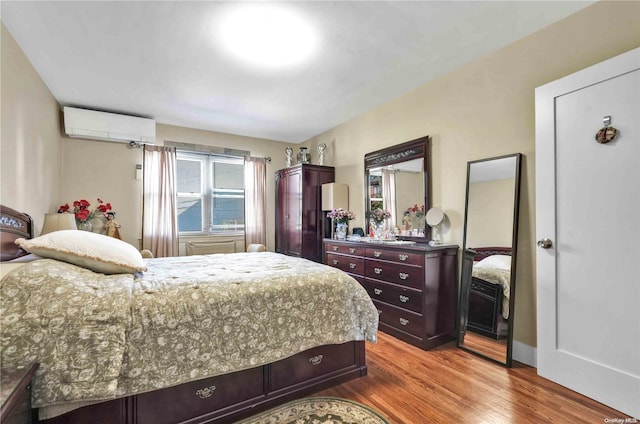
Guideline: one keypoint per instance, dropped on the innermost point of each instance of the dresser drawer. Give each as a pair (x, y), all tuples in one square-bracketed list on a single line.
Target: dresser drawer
[(399, 318), (349, 264), (400, 296), (405, 275), (395, 256), (312, 363), (344, 249), (199, 397)]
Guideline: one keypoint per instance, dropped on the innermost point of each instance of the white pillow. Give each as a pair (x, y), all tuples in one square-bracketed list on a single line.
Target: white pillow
[(495, 262), (93, 251)]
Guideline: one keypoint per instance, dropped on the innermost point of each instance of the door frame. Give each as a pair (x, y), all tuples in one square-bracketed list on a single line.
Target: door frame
[(626, 398)]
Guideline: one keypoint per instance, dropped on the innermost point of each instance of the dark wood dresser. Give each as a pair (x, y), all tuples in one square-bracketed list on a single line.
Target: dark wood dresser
[(414, 286), (15, 394)]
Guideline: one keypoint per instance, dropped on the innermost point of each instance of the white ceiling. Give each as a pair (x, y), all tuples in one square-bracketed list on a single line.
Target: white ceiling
[(160, 59)]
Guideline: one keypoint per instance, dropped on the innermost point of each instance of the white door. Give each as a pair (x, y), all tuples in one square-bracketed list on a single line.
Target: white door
[(588, 206)]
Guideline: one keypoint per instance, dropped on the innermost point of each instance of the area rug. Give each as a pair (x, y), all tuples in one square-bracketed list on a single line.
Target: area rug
[(318, 410)]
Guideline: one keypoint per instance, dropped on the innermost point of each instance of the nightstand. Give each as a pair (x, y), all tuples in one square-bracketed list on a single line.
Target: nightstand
[(15, 394)]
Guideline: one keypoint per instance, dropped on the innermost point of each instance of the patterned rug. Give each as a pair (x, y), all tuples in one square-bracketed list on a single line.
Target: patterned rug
[(318, 410)]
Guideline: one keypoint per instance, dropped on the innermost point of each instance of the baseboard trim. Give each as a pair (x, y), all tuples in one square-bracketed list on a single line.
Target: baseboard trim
[(525, 354)]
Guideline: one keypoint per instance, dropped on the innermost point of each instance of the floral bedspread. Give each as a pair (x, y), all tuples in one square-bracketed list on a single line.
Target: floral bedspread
[(500, 277), (101, 336)]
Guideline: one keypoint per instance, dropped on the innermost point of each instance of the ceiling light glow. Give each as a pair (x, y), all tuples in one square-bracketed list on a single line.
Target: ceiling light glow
[(266, 35)]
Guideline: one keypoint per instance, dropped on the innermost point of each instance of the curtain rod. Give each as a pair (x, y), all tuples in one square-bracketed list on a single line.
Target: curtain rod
[(199, 149)]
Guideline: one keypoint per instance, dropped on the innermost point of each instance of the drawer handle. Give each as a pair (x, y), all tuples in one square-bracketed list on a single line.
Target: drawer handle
[(335, 262), (403, 275), (377, 270), (206, 392), (315, 360), (377, 254), (352, 265), (403, 257), (377, 291), (404, 299), (335, 248), (404, 321), (352, 250)]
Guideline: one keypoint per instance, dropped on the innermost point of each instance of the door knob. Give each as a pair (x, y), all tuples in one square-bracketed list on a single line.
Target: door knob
[(545, 243)]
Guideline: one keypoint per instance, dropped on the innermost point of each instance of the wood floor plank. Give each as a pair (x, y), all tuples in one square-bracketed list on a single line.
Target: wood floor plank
[(447, 384)]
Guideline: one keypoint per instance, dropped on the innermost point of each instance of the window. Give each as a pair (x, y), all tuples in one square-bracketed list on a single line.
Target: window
[(210, 193)]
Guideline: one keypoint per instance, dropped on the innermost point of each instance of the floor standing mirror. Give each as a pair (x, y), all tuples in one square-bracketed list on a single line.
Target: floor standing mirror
[(488, 277)]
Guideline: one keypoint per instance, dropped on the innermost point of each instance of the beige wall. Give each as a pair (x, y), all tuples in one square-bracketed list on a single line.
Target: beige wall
[(490, 213), (408, 193), (100, 169), (30, 149), (481, 110)]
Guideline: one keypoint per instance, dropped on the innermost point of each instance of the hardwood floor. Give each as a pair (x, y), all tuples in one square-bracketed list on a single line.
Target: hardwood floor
[(450, 385), (496, 349)]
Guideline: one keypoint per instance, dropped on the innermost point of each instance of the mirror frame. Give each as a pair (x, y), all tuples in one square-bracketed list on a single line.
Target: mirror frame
[(410, 150), (467, 255)]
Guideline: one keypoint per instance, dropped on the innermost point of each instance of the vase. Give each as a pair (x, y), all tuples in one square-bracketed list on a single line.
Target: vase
[(85, 226), (341, 230), (417, 222), (379, 229)]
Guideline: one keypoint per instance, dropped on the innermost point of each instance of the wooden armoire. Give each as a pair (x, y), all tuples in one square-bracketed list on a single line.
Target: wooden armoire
[(300, 222)]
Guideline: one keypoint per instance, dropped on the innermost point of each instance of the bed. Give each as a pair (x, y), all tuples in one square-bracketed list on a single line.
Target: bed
[(194, 339), (490, 291)]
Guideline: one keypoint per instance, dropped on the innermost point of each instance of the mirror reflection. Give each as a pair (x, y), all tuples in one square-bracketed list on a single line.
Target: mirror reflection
[(399, 188), (396, 181), (489, 257)]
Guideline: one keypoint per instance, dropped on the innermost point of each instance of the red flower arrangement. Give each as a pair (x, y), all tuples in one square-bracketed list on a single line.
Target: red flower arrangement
[(82, 212), (417, 211)]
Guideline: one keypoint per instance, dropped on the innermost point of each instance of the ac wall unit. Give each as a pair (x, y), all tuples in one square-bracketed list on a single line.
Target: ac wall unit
[(95, 125)]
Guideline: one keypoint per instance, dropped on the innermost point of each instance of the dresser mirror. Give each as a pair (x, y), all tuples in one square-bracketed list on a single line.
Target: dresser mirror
[(397, 179), (488, 276)]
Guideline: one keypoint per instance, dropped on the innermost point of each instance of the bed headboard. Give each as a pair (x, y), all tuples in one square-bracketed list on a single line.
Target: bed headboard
[(483, 252), (13, 225)]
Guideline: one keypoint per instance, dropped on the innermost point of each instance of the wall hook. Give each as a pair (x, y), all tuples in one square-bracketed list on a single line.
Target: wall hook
[(606, 133)]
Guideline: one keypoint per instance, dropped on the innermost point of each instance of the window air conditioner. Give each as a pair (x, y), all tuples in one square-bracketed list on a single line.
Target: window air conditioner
[(95, 125)]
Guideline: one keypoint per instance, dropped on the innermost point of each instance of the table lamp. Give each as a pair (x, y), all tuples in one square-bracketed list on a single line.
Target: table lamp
[(58, 221)]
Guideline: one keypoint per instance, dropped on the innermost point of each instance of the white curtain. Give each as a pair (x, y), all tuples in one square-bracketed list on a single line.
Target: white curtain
[(159, 209), (255, 205), (389, 194)]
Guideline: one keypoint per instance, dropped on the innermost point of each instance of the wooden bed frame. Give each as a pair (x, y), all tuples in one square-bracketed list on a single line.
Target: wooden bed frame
[(484, 252), (481, 289), (13, 225), (221, 399)]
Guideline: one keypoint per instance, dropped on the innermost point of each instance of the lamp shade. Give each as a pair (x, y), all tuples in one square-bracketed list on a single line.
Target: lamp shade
[(335, 196), (58, 221)]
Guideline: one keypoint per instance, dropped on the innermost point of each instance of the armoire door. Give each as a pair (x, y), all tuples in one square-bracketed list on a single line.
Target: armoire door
[(293, 212), (289, 211), (588, 232), (312, 223)]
